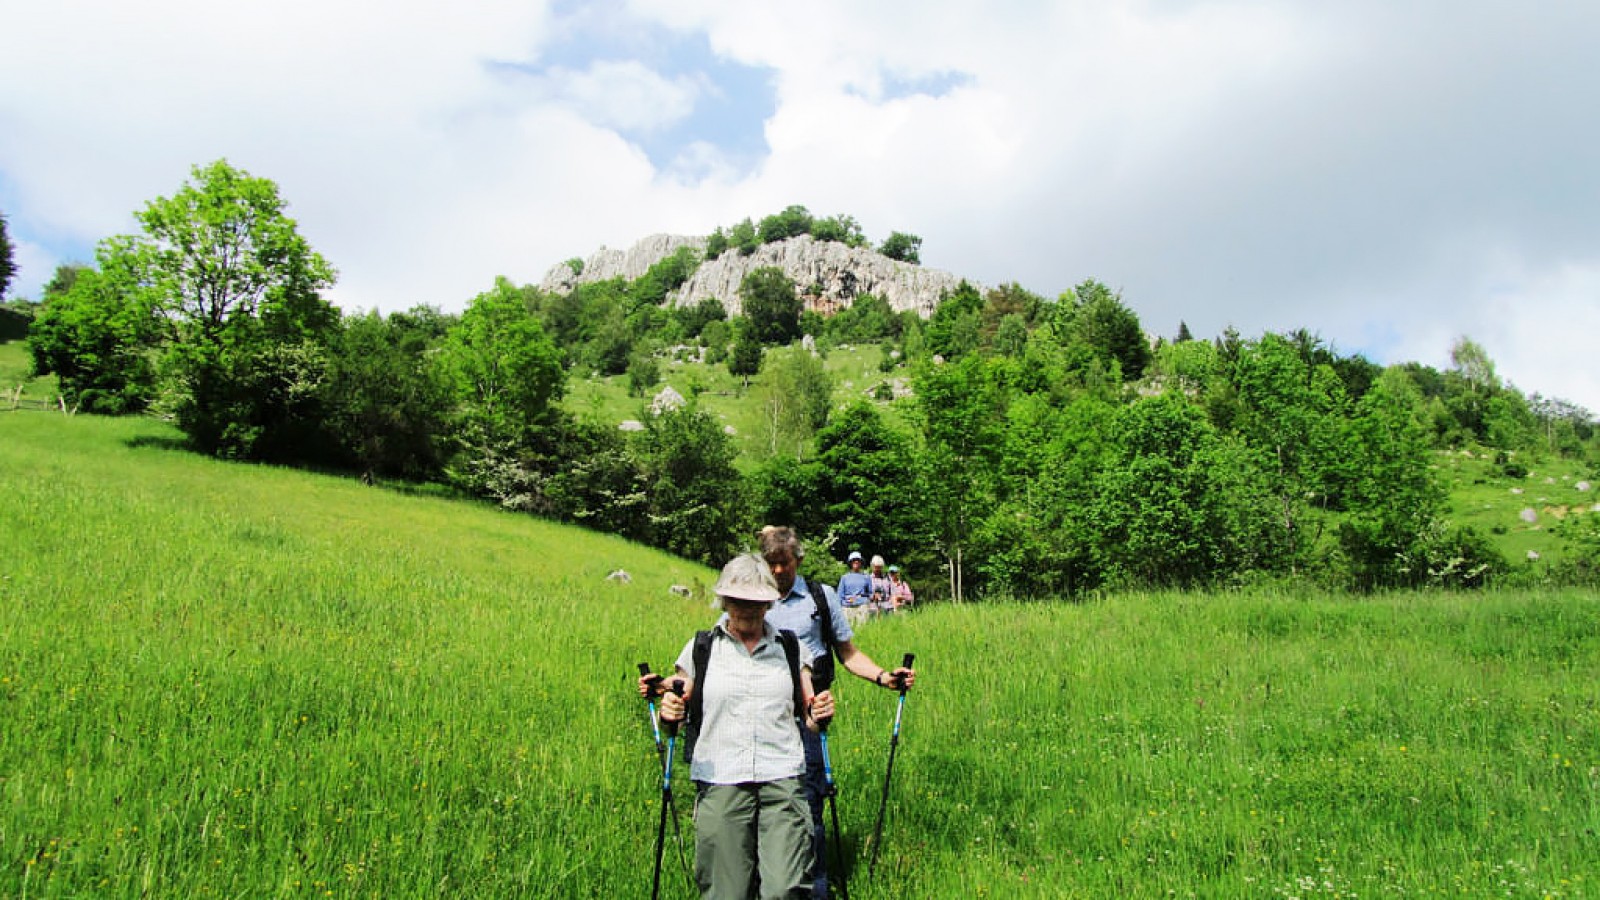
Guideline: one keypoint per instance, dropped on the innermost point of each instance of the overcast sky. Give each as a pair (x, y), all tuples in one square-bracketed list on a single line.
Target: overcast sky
[(1391, 176)]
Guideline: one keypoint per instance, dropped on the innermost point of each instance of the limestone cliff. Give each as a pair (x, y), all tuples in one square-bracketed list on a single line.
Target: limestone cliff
[(828, 275)]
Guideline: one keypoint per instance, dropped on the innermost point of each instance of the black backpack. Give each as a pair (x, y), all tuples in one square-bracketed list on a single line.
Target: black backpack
[(822, 666), (701, 655)]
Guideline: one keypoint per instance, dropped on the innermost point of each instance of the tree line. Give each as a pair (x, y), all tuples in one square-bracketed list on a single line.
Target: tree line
[(1046, 447)]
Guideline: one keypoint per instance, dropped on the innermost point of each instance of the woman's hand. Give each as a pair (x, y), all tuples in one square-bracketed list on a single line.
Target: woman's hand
[(822, 708), (672, 706)]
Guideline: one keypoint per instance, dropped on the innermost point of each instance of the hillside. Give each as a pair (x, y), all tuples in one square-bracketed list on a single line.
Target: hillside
[(234, 680)]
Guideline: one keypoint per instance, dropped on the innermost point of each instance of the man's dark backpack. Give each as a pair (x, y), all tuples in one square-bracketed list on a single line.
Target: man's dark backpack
[(701, 655), (822, 666)]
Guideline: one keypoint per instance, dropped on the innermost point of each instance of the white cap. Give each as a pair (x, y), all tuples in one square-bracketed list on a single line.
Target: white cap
[(747, 577), (854, 555)]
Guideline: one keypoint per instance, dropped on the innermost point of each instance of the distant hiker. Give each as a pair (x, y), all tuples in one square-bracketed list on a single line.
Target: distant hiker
[(880, 586), (899, 592), (750, 699), (855, 590)]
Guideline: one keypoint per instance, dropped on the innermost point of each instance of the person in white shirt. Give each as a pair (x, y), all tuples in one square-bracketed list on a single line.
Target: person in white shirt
[(752, 820)]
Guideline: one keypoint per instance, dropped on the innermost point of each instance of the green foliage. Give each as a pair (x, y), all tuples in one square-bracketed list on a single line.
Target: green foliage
[(694, 319), (792, 222), (906, 248), (771, 305), (956, 325), (795, 396), (387, 405), (716, 243), (868, 318), (1176, 504), (644, 372), (698, 506), (743, 237), (744, 359), (8, 262), (716, 336), (98, 335), (1094, 317), (504, 372), (667, 274), (840, 229), (239, 288)]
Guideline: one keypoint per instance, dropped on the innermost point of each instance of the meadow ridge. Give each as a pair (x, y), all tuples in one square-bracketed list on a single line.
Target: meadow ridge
[(232, 680)]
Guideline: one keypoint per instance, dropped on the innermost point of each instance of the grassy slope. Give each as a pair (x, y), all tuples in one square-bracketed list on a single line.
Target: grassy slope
[(234, 680)]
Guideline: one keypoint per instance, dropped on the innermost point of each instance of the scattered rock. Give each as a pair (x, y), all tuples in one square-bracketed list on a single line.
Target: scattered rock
[(1529, 515), (809, 343), (681, 590), (1549, 480), (668, 399), (620, 576), (729, 430), (1533, 555), (630, 425), (1516, 490), (1583, 486)]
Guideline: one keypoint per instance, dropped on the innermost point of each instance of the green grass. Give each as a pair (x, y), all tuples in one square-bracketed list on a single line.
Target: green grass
[(228, 680), (606, 399), (1483, 495)]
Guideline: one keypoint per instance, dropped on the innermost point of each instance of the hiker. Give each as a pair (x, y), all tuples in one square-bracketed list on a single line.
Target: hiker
[(751, 816), (899, 592), (813, 612), (855, 590), (880, 586)]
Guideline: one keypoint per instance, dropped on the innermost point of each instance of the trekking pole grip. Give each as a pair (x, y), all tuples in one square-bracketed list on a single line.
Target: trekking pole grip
[(905, 664), (653, 680), (675, 686)]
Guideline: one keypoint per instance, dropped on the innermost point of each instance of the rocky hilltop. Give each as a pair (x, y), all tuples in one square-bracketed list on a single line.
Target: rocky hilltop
[(829, 275)]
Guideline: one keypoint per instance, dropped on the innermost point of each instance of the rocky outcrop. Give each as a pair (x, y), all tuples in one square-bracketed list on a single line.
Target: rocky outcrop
[(828, 275), (606, 263)]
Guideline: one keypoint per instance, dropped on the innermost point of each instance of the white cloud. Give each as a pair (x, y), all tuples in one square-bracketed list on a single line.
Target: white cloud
[(622, 95), (1389, 176)]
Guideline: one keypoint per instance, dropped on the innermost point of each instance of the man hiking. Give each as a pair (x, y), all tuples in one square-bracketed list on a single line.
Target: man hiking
[(811, 610)]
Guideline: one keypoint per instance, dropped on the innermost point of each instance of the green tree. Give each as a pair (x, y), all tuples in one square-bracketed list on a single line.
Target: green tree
[(1175, 504), (699, 508), (867, 485), (1095, 317), (693, 319), (8, 262), (504, 372), (240, 288), (387, 407), (97, 331), (745, 358), (841, 229), (792, 222), (771, 305), (906, 248), (743, 236), (716, 243), (795, 394), (956, 324)]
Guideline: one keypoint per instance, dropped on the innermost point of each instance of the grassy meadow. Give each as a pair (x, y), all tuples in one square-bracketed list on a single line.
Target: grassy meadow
[(230, 680)]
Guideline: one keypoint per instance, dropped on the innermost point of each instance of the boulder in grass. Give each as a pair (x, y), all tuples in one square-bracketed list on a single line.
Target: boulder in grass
[(1533, 556), (1529, 515), (667, 400), (681, 590), (1583, 486), (630, 425), (620, 576)]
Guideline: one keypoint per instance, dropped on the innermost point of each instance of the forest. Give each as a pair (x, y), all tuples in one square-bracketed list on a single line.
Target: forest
[(1041, 447)]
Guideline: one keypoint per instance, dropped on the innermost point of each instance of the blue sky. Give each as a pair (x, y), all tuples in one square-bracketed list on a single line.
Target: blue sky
[(1390, 176)]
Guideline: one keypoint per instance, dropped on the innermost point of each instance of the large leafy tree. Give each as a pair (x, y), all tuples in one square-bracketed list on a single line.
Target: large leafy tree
[(95, 331), (386, 404), (769, 300), (795, 397), (240, 291), (698, 507), (504, 371)]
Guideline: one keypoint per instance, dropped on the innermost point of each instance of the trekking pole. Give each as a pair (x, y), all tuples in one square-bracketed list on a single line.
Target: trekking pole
[(894, 742), (651, 681), (666, 800), (831, 797)]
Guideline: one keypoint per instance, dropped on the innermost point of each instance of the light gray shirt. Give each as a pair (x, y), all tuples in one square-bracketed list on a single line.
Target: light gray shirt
[(748, 731)]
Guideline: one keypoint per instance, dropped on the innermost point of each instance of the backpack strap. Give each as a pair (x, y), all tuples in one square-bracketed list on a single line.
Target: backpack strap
[(822, 667), (700, 656)]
